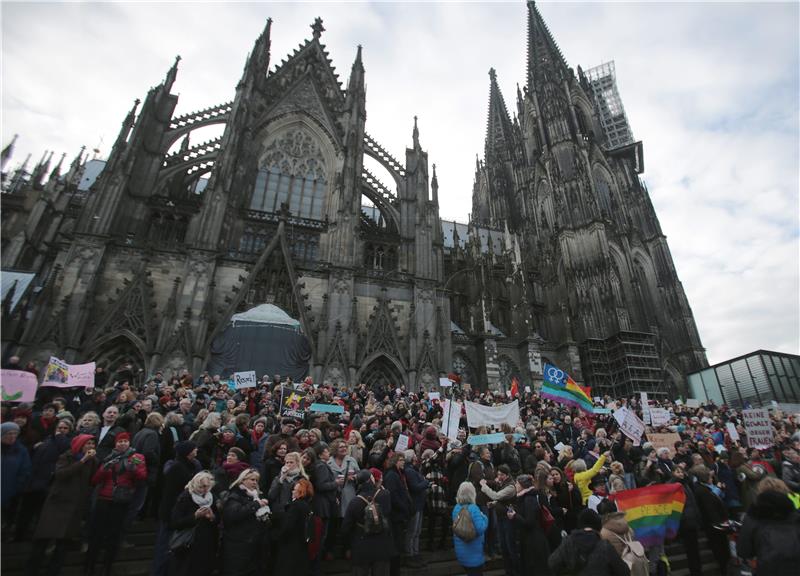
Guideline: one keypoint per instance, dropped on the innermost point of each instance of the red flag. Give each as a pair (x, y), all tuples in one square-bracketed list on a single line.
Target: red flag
[(514, 387)]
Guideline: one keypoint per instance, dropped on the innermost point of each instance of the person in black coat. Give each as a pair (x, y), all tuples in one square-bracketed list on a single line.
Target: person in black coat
[(244, 515), (370, 553), (713, 512), (690, 523), (292, 554), (325, 488), (584, 553), (402, 506), (525, 514), (177, 474), (771, 531), (194, 511)]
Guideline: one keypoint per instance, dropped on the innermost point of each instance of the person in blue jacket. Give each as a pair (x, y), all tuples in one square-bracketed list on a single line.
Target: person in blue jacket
[(470, 554), (15, 468)]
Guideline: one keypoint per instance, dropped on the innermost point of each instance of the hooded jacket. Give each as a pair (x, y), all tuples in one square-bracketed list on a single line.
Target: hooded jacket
[(771, 534), (584, 553)]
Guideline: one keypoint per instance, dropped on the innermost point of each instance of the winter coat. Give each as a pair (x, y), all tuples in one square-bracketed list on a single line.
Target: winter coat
[(106, 446), (584, 553), (457, 468), (43, 463), (324, 501), (615, 527), (584, 479), (169, 437), (712, 508), (750, 478), (790, 474), (120, 472), (292, 553), (200, 558), (368, 548), (417, 488), (690, 518), (280, 492), (206, 442), (503, 496), (270, 469), (771, 534), (396, 483), (15, 469), (348, 489), (68, 498), (243, 535), (533, 541), (147, 442), (470, 554), (177, 474)]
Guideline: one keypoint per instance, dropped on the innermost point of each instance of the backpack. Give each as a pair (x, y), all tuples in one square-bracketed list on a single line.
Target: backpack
[(634, 556), (373, 522), (463, 526)]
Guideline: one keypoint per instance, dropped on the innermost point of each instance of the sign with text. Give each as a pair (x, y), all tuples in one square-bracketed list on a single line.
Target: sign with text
[(630, 424), (59, 374), (666, 440), (433, 396), (692, 403), (645, 408), (445, 382), (329, 408), (293, 403), (481, 439), (402, 443), (732, 431), (451, 418), (18, 386), (245, 379), (758, 427), (659, 416)]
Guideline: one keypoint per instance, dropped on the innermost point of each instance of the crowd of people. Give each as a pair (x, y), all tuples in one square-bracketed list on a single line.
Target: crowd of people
[(242, 485)]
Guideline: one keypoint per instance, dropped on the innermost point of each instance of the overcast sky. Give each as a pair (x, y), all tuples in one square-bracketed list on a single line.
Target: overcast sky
[(711, 89)]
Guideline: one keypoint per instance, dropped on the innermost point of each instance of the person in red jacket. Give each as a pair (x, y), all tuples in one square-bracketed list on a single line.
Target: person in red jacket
[(117, 478)]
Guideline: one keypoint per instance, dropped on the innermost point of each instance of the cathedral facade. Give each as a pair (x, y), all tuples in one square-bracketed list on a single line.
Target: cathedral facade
[(562, 261)]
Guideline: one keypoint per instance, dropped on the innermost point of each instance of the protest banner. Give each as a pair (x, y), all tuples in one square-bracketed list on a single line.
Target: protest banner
[(654, 512), (59, 374), (451, 417), (561, 388), (293, 403), (645, 408), (433, 396), (665, 440), (659, 416), (329, 408), (692, 403), (758, 428), (481, 439), (732, 432), (479, 415), (445, 382), (17, 386), (630, 424), (402, 444), (602, 410), (245, 379)]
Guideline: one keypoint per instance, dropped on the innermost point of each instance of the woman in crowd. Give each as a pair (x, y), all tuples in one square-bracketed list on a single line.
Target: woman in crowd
[(355, 446), (470, 553), (244, 516), (235, 463), (344, 468), (194, 523), (273, 463), (65, 506), (204, 438), (325, 486), (280, 491), (525, 513), (372, 548), (292, 556), (117, 479)]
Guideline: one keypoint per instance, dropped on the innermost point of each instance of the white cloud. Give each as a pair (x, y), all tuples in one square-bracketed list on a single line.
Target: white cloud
[(711, 89)]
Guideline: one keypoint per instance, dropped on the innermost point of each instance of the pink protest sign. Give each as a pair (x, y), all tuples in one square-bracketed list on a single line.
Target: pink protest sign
[(59, 374), (18, 386)]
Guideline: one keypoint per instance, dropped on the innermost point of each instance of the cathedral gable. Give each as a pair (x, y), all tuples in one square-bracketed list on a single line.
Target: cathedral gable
[(304, 98), (131, 313), (382, 335)]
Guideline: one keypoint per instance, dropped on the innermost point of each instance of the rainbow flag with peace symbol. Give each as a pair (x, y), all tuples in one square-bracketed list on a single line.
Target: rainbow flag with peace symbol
[(653, 512), (558, 386)]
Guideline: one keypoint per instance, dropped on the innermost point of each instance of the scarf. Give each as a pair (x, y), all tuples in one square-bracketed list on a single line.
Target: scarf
[(292, 476), (252, 493), (202, 501), (119, 457)]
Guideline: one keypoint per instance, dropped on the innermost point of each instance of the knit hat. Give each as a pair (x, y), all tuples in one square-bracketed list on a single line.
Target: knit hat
[(122, 436), (79, 442), (377, 475), (183, 449), (9, 427), (229, 428), (363, 477), (589, 519), (239, 454)]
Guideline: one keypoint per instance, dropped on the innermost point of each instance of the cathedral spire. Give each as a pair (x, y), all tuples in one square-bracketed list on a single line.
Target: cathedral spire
[(75, 167), (56, 173), (317, 28), (5, 155), (355, 84), (41, 169), (171, 75), (435, 187), (127, 124), (545, 61), (415, 135), (498, 126)]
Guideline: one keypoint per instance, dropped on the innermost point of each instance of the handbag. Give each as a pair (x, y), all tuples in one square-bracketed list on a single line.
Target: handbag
[(120, 494), (546, 519), (181, 539)]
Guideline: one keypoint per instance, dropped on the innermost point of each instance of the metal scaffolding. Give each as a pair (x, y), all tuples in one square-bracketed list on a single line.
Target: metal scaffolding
[(603, 80), (623, 365)]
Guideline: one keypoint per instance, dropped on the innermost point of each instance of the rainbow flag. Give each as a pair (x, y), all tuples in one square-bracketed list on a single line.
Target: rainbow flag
[(653, 512), (558, 386)]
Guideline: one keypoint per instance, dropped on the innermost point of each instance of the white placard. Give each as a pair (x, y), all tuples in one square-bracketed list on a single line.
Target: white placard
[(445, 382), (451, 417), (527, 389), (659, 416), (402, 443), (245, 379), (433, 396), (558, 447), (630, 425), (479, 415), (732, 432), (758, 427), (692, 403), (645, 408)]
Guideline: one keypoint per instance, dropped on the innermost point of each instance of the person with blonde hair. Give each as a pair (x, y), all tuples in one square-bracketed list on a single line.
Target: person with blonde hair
[(194, 512), (355, 446), (470, 553), (205, 438), (280, 491), (244, 515), (583, 477)]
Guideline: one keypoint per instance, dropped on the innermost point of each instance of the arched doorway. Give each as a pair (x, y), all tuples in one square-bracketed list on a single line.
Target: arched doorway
[(382, 372), (508, 371), (115, 352)]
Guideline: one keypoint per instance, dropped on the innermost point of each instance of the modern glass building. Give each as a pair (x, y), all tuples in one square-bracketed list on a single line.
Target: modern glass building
[(755, 379)]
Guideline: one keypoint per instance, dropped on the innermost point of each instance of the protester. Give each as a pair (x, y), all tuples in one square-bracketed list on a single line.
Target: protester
[(291, 527), (244, 516), (369, 538), (470, 552), (585, 553), (194, 524)]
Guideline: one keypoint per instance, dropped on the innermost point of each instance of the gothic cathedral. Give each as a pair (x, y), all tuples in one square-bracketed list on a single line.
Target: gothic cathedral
[(146, 256)]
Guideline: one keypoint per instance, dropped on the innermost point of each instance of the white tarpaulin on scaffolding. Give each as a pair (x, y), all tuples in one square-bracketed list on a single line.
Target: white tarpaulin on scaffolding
[(479, 415)]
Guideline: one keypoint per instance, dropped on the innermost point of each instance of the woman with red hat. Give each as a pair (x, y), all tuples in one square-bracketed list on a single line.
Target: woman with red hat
[(66, 504), (117, 479)]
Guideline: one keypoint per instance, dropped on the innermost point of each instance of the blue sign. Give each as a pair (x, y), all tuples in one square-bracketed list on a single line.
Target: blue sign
[(332, 408), (479, 439), (602, 410)]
